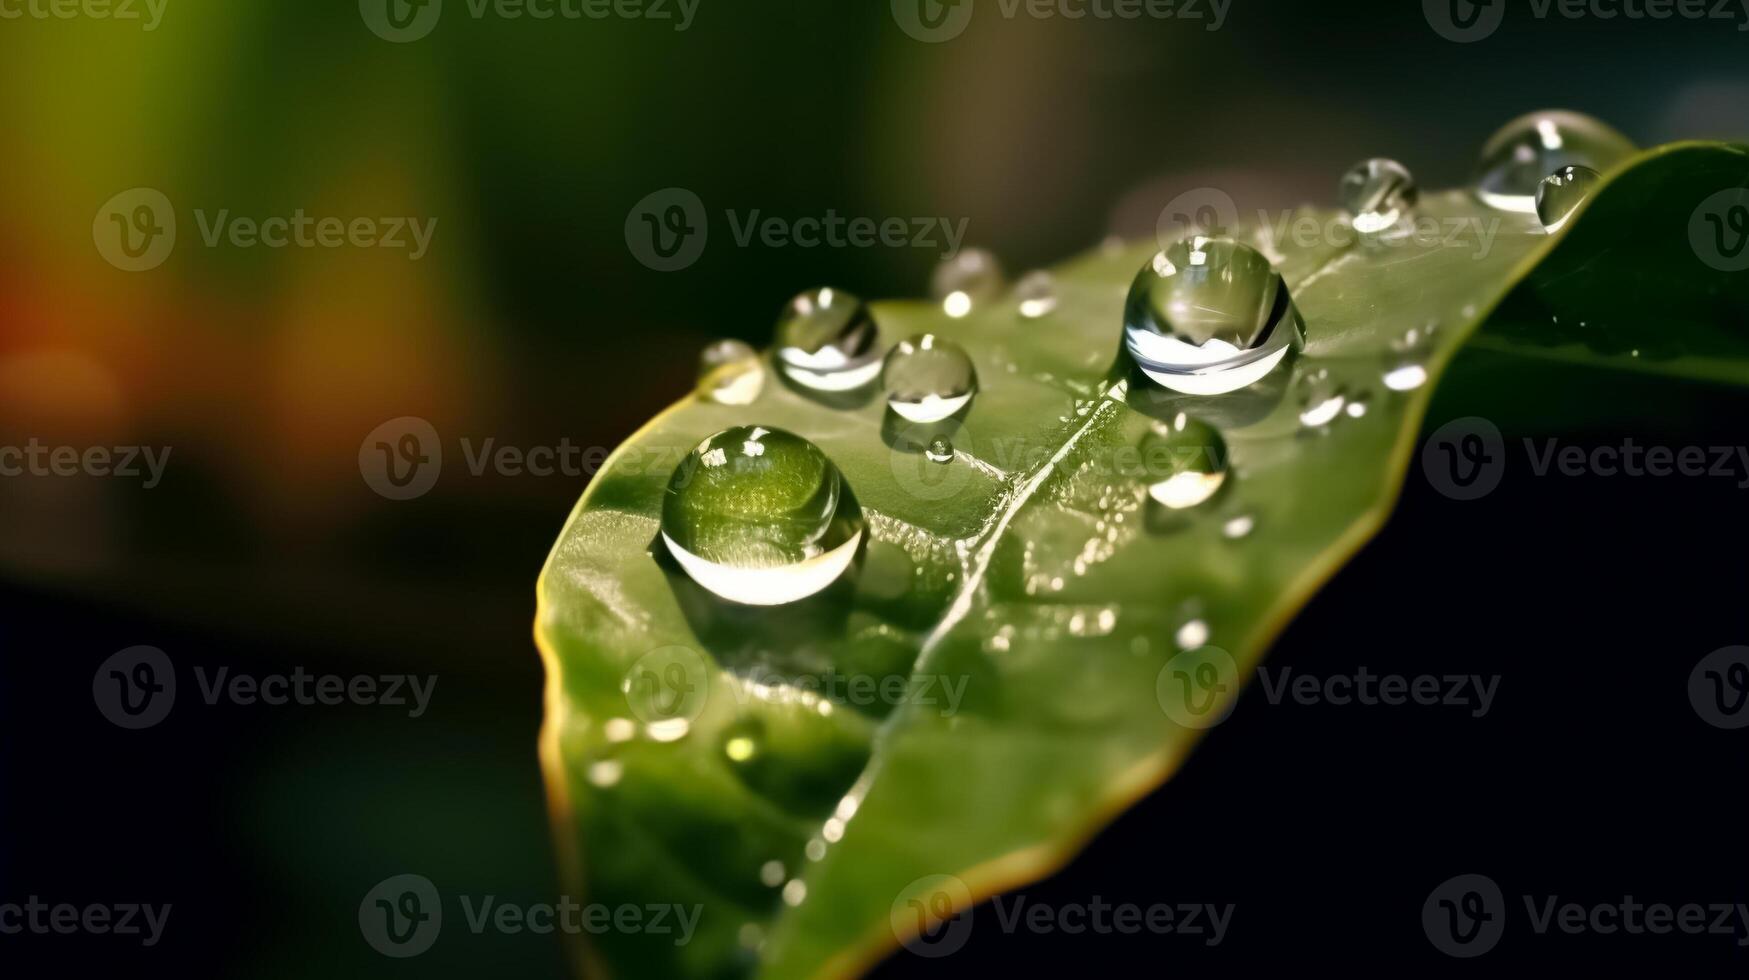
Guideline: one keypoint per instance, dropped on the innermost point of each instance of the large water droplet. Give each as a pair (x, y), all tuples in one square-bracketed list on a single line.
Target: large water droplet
[(928, 378), (1186, 461), (1378, 193), (1561, 193), (827, 341), (968, 278), (1527, 149), (1037, 294), (730, 372), (760, 516), (1209, 315)]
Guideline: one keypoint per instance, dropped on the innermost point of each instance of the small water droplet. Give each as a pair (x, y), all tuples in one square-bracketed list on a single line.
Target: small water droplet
[(1357, 407), (1322, 398), (1208, 316), (1405, 362), (1037, 294), (827, 341), (1378, 193), (760, 516), (940, 450), (606, 773), (795, 893), (928, 379), (970, 277), (730, 373), (1239, 527), (1192, 635), (1527, 149), (1561, 193), (740, 748), (1185, 461), (771, 874)]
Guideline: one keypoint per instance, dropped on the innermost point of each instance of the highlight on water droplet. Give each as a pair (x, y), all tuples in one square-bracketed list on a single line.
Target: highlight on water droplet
[(968, 278), (927, 378), (1322, 398), (1405, 361), (761, 517), (827, 341), (1561, 193), (1515, 160), (1378, 193), (939, 450), (730, 373), (1037, 294), (1185, 460), (1239, 526), (1208, 316)]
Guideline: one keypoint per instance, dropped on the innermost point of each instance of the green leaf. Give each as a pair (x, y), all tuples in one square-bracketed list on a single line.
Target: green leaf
[(1030, 582)]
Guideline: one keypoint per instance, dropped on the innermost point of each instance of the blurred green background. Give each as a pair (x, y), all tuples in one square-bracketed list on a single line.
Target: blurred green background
[(529, 322)]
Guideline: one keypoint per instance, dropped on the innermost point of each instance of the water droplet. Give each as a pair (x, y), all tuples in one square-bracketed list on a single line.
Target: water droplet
[(606, 773), (828, 341), (1378, 193), (1037, 293), (1406, 360), (928, 378), (619, 729), (771, 874), (940, 450), (795, 893), (760, 516), (1321, 399), (730, 373), (1239, 527), (1527, 149), (1561, 193), (1208, 316), (1192, 635), (970, 277), (1357, 407), (1185, 461)]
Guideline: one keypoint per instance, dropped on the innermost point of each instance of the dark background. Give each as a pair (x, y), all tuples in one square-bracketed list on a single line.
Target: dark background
[(530, 322)]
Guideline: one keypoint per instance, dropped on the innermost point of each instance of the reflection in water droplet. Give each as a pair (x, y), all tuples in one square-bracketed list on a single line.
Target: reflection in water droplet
[(971, 277), (1527, 149), (1037, 293), (1561, 193), (827, 341), (1209, 315), (940, 450), (928, 378), (1378, 193), (730, 373), (1185, 461), (1192, 635), (760, 516), (1321, 398), (1406, 377), (1239, 527)]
